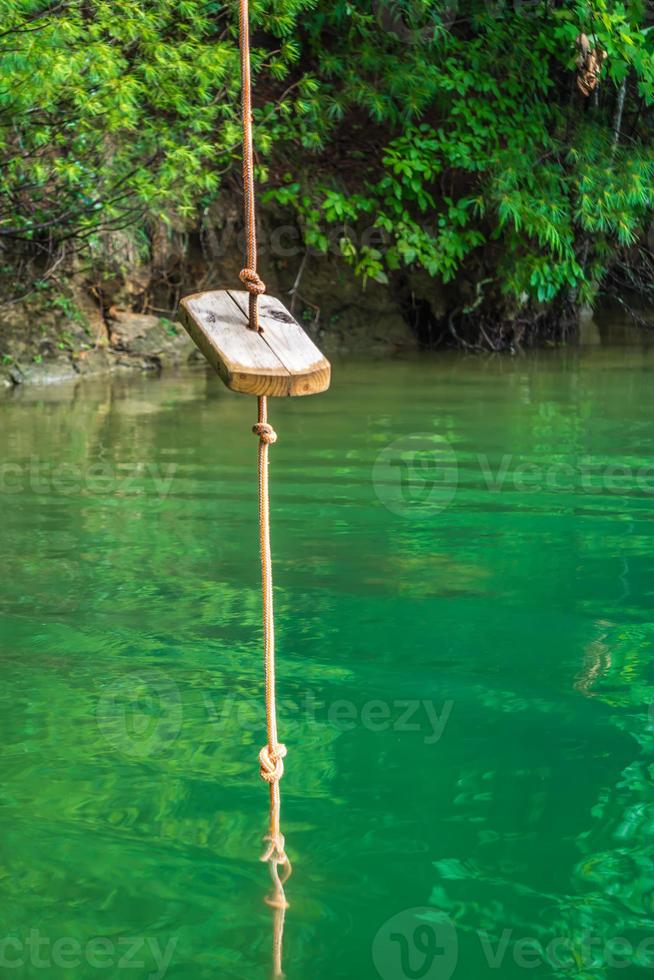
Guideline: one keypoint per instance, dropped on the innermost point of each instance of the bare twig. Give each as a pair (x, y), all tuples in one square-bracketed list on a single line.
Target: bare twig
[(293, 291)]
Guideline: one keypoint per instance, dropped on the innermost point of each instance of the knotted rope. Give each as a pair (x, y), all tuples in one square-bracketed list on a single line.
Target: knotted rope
[(272, 765), (271, 757), (265, 432)]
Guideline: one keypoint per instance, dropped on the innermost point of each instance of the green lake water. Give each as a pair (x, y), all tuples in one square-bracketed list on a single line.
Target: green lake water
[(464, 569)]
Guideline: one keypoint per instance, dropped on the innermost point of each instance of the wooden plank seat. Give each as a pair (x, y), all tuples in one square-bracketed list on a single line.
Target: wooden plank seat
[(279, 360)]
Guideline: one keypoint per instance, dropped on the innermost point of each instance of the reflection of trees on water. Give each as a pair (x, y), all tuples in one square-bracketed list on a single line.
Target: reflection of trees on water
[(580, 929), (619, 846)]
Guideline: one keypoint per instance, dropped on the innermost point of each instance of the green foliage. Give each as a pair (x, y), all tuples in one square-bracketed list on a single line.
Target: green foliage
[(168, 325), (407, 133), (113, 111), (479, 156)]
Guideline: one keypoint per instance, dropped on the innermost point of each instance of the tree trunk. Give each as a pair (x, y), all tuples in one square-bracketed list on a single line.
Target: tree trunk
[(619, 109)]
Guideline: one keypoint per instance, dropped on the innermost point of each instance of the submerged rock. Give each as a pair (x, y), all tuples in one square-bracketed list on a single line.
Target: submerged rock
[(99, 360), (46, 372), (137, 342), (145, 336)]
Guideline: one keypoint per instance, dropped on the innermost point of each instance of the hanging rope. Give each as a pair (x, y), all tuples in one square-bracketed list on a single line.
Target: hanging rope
[(271, 757), (248, 276)]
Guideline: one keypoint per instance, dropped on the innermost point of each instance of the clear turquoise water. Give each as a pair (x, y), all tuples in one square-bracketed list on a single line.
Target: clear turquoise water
[(507, 608)]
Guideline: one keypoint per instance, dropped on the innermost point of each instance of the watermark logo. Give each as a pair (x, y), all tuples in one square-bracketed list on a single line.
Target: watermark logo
[(422, 944), (412, 21), (417, 473), (417, 944), (419, 22), (140, 714)]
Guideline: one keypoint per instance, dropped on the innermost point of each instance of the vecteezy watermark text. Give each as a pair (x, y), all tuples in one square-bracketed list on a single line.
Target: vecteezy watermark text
[(142, 713), (421, 473), (401, 715), (424, 942), (147, 954), (99, 477)]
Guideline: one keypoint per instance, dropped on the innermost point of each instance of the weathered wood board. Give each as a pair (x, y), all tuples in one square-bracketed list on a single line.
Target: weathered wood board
[(280, 360)]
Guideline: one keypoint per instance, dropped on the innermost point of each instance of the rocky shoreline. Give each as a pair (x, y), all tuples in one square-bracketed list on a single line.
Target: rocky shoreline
[(136, 343), (96, 328), (122, 320)]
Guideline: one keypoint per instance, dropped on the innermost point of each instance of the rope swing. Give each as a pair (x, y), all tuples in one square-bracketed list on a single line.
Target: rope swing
[(258, 348), (271, 757)]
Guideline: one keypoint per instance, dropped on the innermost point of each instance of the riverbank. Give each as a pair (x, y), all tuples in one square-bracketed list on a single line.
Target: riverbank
[(84, 327), (123, 319)]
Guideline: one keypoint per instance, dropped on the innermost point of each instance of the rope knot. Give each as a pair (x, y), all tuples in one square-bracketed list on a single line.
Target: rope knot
[(275, 856), (268, 436), (272, 763), (252, 281)]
